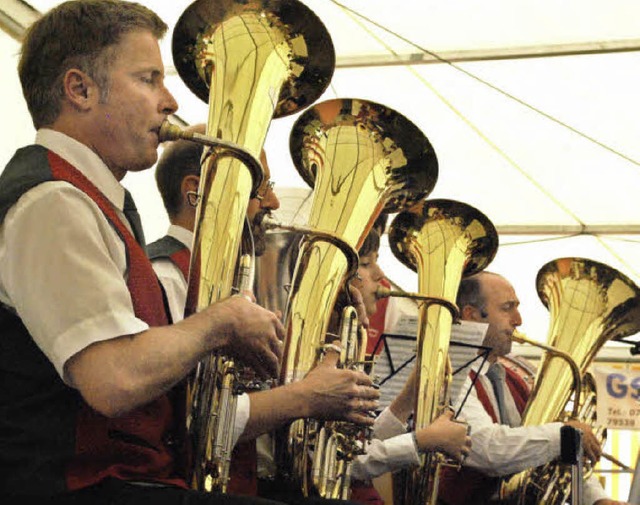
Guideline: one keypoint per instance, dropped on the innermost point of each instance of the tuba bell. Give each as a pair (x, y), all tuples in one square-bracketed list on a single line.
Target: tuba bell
[(250, 60), (443, 240), (590, 304), (361, 158)]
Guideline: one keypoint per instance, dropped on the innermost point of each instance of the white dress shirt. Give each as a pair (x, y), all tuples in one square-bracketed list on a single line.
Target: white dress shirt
[(391, 449), (62, 264), (499, 450)]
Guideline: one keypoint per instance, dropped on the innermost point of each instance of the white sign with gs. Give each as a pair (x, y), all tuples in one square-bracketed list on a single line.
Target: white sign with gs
[(618, 391)]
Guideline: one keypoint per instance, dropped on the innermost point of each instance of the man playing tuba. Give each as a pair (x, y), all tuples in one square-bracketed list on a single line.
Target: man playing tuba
[(326, 393), (500, 446), (89, 362)]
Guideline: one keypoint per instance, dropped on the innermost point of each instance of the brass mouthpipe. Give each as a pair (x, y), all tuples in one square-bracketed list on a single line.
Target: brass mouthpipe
[(353, 260), (384, 292), (169, 131), (575, 371)]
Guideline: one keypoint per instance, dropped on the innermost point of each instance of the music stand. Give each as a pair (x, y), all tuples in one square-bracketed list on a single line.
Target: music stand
[(395, 352)]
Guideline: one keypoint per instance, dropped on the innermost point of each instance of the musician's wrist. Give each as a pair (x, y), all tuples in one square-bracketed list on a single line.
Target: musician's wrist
[(416, 444)]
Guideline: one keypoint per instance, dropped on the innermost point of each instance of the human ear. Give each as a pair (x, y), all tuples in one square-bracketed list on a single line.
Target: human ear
[(470, 313), (189, 190), (189, 183), (78, 88)]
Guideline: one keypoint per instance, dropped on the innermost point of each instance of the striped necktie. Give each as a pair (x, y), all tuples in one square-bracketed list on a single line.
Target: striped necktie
[(496, 374)]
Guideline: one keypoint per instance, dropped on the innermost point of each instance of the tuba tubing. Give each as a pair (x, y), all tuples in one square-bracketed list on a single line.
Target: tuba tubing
[(442, 240), (590, 303), (250, 60)]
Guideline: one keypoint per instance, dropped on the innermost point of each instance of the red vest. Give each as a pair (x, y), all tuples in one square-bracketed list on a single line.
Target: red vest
[(457, 487), (98, 453), (376, 322), (79, 447), (243, 471)]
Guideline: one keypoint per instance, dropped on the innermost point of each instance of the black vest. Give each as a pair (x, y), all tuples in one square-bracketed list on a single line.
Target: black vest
[(46, 429)]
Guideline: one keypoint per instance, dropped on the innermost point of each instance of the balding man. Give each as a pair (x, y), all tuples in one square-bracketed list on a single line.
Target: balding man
[(500, 446)]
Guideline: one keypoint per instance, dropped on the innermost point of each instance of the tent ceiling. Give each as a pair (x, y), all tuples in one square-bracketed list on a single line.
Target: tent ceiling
[(540, 145)]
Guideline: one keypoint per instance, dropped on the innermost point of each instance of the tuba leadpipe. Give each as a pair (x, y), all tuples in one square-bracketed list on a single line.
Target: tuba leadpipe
[(442, 240), (384, 292), (361, 158), (251, 61), (576, 375), (590, 304)]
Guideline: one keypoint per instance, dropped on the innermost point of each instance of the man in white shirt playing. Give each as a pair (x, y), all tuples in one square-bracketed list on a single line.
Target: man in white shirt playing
[(89, 362), (177, 175), (500, 446), (327, 392)]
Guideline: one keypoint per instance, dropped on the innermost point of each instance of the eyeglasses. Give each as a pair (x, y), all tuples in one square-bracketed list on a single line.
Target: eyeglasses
[(261, 195), (193, 198)]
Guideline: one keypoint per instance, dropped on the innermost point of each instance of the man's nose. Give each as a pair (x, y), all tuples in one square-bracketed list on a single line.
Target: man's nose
[(168, 104), (517, 319), (378, 273), (270, 200)]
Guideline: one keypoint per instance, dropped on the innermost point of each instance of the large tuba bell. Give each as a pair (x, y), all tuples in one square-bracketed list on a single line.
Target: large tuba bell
[(250, 60), (361, 157), (589, 304), (443, 240)]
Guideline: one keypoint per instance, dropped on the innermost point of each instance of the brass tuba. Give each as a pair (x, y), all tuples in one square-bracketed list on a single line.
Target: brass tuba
[(443, 240), (589, 303), (361, 158), (250, 60)]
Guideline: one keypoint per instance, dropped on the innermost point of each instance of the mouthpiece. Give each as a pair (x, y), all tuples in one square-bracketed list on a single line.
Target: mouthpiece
[(383, 292), (169, 131), (519, 338)]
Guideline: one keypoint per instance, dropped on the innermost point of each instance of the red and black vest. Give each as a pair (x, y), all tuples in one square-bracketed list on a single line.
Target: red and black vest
[(172, 249), (51, 441), (470, 485)]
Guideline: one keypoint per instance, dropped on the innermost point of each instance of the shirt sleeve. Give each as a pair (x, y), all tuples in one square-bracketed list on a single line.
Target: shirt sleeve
[(499, 450), (387, 425), (385, 456), (592, 491), (62, 269), (243, 411)]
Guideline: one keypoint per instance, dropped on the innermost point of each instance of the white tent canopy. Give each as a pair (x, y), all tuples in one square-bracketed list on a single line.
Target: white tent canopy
[(547, 146)]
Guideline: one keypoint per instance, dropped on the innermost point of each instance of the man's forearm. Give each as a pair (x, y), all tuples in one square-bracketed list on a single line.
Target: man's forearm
[(273, 408), (117, 375)]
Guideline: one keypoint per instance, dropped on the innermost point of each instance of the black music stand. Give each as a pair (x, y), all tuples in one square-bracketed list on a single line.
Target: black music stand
[(571, 453), (385, 345)]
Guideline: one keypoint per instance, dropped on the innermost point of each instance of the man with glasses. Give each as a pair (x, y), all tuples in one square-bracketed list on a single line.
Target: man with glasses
[(325, 393)]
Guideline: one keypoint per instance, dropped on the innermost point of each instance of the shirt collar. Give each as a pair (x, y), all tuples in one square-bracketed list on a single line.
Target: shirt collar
[(86, 161), (181, 234)]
